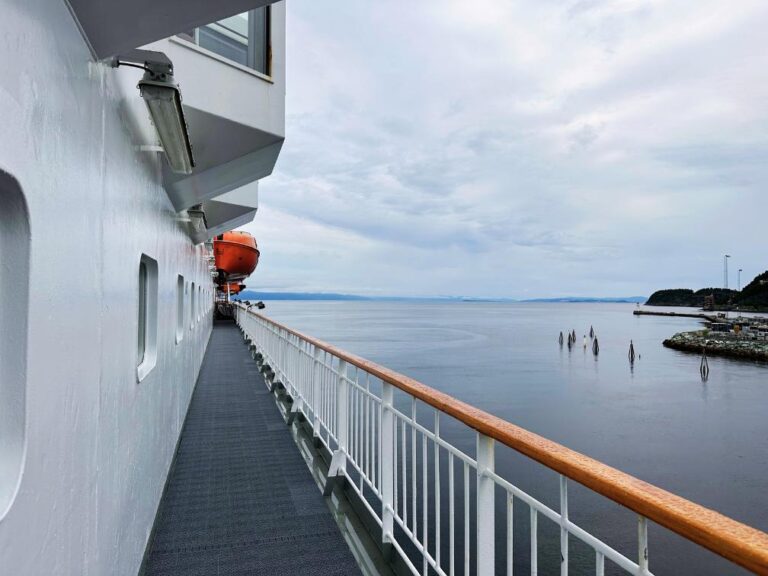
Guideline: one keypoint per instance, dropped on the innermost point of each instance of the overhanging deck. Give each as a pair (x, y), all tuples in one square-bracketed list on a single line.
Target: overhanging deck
[(240, 498)]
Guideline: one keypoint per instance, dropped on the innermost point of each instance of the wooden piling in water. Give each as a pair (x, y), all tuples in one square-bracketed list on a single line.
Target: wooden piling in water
[(704, 365)]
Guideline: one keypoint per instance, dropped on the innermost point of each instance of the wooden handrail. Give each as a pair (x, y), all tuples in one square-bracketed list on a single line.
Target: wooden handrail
[(739, 543)]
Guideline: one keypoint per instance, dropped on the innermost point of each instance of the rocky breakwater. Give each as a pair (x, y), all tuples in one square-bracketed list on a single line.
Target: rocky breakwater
[(720, 344)]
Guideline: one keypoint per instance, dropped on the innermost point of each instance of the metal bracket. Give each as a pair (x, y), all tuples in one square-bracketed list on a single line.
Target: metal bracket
[(335, 471), (294, 411), (157, 65)]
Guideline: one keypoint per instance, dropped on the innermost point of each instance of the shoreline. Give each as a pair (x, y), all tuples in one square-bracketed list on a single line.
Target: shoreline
[(740, 349)]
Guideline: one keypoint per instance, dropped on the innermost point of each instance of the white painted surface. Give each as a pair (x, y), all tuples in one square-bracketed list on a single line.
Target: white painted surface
[(236, 121), (98, 445)]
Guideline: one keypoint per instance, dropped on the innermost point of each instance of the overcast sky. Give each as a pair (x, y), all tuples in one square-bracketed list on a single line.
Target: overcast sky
[(519, 148)]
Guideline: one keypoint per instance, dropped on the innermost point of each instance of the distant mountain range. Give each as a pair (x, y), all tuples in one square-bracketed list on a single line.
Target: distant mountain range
[(332, 296), (577, 299)]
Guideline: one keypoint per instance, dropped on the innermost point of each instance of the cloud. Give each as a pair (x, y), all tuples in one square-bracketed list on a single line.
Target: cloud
[(512, 149)]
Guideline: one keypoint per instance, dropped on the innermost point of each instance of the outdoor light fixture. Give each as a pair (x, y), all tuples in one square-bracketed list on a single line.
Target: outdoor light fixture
[(197, 219), (163, 99)]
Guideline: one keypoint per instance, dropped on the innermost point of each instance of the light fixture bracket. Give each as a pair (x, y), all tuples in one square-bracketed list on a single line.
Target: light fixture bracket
[(163, 97), (155, 63)]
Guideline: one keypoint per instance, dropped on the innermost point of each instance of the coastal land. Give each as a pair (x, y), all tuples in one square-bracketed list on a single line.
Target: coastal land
[(732, 345), (741, 337), (753, 298)]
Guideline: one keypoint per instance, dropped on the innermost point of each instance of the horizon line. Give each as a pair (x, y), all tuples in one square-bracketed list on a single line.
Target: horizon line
[(300, 295)]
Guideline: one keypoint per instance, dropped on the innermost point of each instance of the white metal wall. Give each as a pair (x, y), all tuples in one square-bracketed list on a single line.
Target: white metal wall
[(97, 444)]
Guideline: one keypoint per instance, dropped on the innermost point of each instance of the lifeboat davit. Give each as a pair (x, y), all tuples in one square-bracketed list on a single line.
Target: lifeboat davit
[(236, 256), (232, 288)]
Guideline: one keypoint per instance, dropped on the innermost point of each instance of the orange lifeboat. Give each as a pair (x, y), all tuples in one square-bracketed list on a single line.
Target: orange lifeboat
[(236, 256)]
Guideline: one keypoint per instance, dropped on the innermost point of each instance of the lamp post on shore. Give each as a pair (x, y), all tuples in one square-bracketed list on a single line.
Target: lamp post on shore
[(739, 281), (725, 266)]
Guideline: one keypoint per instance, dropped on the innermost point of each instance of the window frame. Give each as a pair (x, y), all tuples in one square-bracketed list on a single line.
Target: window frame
[(146, 316), (254, 25), (192, 304), (181, 290)]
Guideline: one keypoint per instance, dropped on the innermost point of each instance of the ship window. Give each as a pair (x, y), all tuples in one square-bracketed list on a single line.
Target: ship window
[(14, 285), (146, 355), (192, 309), (179, 309), (243, 38), (142, 346)]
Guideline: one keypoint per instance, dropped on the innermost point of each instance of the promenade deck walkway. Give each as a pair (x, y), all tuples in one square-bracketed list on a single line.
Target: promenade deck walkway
[(240, 498)]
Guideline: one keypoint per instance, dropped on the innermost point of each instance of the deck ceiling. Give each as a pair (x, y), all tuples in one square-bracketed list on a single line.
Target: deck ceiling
[(115, 26)]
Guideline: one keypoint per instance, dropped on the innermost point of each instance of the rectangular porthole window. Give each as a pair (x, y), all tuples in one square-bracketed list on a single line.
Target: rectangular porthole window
[(146, 350), (142, 332), (192, 307), (179, 309)]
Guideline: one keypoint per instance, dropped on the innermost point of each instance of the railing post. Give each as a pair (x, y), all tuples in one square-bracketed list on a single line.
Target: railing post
[(316, 392), (292, 374), (342, 408), (563, 526), (642, 544), (280, 358), (485, 506), (338, 467), (387, 464)]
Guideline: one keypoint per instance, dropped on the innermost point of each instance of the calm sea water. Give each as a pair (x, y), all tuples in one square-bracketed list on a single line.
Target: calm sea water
[(706, 441)]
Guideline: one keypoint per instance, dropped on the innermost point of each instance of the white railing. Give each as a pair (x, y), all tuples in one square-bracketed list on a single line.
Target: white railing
[(400, 468)]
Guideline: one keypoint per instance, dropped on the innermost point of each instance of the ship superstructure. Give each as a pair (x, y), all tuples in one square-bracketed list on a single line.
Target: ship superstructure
[(134, 137), (106, 289)]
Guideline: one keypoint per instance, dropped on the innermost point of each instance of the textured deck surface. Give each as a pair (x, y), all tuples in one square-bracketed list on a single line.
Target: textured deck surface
[(241, 499)]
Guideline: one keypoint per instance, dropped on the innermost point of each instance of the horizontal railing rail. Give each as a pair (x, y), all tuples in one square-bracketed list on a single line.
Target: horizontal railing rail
[(381, 444)]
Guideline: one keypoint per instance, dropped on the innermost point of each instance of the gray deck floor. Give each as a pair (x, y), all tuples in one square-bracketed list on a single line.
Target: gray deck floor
[(240, 498)]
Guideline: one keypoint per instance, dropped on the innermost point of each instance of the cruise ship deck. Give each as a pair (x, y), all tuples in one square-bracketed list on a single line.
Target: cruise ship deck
[(240, 498)]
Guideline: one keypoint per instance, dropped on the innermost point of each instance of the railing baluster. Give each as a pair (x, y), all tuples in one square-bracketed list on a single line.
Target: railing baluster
[(366, 433), (404, 458), (413, 465), (599, 564), (360, 444), (466, 519), (357, 423), (437, 488), (510, 535), (424, 500), (379, 415), (395, 461), (563, 526), (485, 506), (387, 462), (451, 519), (534, 542)]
